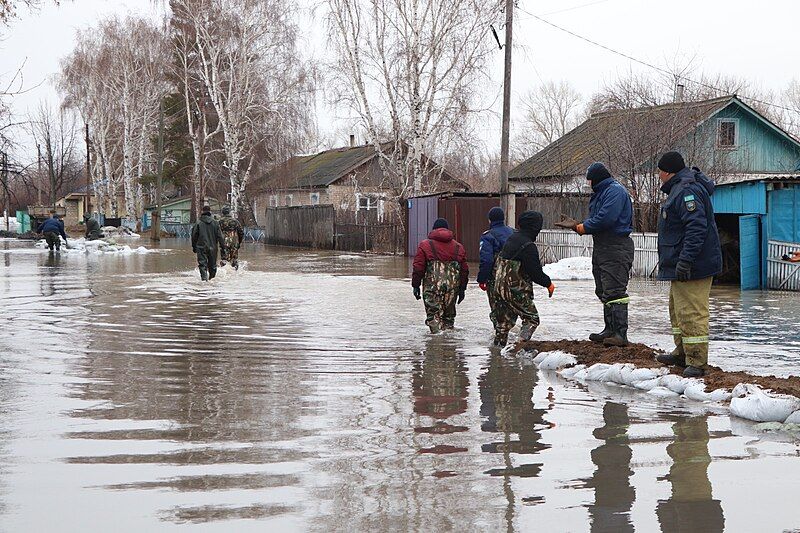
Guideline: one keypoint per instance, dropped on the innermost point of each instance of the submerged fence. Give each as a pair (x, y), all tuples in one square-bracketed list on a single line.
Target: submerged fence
[(555, 245), (307, 226), (782, 275)]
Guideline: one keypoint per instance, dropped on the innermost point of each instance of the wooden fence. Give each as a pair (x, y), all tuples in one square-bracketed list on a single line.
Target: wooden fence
[(782, 275), (306, 226), (555, 245)]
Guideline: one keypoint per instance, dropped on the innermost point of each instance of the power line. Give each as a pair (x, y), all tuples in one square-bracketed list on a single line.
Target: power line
[(650, 65)]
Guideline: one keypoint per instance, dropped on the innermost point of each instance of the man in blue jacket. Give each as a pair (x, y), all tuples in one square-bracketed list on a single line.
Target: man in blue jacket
[(610, 224), (689, 256), (492, 242), (52, 228)]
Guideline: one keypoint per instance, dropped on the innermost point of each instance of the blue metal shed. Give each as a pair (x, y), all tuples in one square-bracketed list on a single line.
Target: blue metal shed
[(755, 216)]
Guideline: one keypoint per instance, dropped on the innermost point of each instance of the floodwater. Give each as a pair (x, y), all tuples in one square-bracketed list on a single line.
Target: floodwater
[(303, 393)]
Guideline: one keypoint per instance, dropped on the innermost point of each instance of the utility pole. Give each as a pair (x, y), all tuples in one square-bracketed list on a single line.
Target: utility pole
[(507, 198), (155, 228), (88, 206), (39, 174)]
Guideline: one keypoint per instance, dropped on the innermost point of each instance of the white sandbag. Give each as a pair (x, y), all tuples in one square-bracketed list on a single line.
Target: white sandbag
[(508, 350), (646, 385), (794, 418), (753, 403), (556, 360), (696, 390), (676, 384), (663, 392), (617, 372), (571, 371), (597, 372), (580, 375), (643, 374), (541, 357)]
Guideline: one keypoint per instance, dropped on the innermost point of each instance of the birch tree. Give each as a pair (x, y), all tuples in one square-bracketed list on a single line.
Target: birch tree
[(409, 70), (245, 56)]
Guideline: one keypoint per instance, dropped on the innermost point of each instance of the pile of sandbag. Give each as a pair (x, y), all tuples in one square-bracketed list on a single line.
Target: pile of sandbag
[(96, 247), (751, 402), (122, 231)]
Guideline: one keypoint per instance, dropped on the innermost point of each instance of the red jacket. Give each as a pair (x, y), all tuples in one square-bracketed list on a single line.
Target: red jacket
[(447, 249)]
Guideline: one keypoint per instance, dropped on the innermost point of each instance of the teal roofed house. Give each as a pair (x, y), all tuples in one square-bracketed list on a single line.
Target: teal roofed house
[(755, 164)]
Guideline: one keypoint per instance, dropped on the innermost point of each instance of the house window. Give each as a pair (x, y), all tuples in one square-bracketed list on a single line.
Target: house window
[(314, 197), (273, 200), (287, 200), (367, 202), (727, 133)]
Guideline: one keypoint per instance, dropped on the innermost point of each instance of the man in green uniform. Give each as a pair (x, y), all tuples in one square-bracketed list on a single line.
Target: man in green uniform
[(518, 267), (206, 237), (92, 228), (233, 234), (689, 256)]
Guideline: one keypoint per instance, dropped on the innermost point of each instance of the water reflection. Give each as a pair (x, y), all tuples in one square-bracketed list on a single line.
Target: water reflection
[(507, 408), (692, 506), (613, 493)]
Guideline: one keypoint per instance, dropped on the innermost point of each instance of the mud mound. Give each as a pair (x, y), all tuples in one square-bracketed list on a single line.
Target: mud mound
[(589, 353)]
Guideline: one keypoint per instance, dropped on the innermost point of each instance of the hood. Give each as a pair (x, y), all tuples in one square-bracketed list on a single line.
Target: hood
[(704, 180), (530, 223), (602, 185), (441, 235), (208, 219)]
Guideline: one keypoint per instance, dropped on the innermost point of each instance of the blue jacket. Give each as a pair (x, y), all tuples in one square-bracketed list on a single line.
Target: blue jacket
[(610, 209), (492, 242), (687, 230), (52, 225)]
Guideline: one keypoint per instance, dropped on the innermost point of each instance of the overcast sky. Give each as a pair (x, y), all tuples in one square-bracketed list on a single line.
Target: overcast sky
[(756, 40)]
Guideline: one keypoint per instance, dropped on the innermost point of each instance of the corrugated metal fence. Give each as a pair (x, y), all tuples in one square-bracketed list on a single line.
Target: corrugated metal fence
[(555, 245), (782, 275)]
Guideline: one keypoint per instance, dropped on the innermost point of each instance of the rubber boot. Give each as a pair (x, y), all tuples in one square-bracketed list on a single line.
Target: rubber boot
[(500, 340), (675, 358), (203, 274), (212, 273), (619, 321), (434, 327), (526, 332), (608, 331)]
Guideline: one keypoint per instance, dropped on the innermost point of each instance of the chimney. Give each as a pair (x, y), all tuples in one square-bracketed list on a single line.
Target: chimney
[(679, 92), (352, 140)]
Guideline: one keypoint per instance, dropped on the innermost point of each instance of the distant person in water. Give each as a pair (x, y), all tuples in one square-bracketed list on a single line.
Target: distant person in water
[(52, 228), (440, 268), (233, 233), (206, 239), (92, 228)]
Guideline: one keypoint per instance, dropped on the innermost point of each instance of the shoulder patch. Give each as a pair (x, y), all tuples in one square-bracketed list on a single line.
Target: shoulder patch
[(688, 198), (691, 205)]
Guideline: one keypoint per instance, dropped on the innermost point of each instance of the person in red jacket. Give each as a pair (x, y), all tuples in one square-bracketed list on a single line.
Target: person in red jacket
[(440, 267)]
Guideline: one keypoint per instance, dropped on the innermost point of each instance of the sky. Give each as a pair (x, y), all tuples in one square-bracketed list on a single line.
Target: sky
[(738, 38)]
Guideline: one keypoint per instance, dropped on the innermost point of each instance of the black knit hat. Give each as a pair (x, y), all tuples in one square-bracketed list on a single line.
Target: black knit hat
[(671, 162), (440, 223), (226, 210), (496, 214), (206, 209), (597, 172)]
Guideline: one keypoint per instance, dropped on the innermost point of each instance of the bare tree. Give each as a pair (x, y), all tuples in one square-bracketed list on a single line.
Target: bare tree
[(410, 70), (55, 132), (550, 111), (246, 58)]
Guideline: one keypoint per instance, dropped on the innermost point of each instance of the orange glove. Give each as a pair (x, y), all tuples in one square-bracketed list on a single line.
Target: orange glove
[(482, 286), (550, 290), (580, 230)]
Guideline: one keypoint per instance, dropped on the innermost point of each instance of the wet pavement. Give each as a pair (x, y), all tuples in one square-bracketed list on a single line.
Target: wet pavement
[(302, 393)]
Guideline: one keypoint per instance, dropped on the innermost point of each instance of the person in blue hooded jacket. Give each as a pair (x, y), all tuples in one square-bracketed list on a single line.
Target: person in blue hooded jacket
[(610, 224), (52, 228), (689, 256), (492, 242)]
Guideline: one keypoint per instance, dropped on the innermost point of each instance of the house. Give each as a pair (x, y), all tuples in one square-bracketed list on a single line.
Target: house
[(753, 161), (176, 211), (348, 178), (102, 206), (759, 222)]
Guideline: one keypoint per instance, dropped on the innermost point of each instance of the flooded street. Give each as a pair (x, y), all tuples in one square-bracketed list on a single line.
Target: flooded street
[(303, 393)]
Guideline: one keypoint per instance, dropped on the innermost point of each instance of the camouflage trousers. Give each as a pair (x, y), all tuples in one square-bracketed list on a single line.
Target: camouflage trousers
[(230, 253), (492, 302), (513, 298), (52, 239), (439, 293)]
